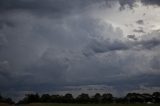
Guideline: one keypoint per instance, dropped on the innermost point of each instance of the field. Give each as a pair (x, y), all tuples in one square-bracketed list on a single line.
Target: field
[(50, 104), (38, 104)]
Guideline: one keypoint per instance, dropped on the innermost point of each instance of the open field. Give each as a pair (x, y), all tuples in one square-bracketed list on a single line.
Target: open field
[(51, 104)]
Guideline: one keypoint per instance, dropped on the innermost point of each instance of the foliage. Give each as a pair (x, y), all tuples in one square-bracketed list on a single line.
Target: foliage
[(130, 98), (6, 100)]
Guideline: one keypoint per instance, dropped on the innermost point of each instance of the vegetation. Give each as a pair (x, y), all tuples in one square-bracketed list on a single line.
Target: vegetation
[(130, 98), (6, 100), (103, 99)]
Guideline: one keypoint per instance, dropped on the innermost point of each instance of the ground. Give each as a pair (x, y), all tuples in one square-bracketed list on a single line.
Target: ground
[(51, 104)]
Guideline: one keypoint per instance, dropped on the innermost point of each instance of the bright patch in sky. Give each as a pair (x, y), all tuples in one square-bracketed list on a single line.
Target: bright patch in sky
[(136, 21)]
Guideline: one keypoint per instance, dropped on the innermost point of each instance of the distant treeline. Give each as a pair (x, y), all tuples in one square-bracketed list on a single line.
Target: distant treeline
[(6, 100), (97, 98), (85, 98)]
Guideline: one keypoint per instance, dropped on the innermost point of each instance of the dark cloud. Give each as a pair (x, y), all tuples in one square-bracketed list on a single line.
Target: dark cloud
[(155, 62), (138, 30), (34, 5), (107, 46), (5, 70), (151, 2), (54, 7), (47, 45), (57, 7), (131, 82), (132, 37), (149, 44), (141, 22), (4, 23), (130, 3)]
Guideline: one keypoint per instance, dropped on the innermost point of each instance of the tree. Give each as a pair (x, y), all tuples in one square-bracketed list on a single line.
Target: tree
[(30, 98), (107, 98), (6, 100), (120, 100), (0, 98), (147, 97), (68, 98), (97, 98), (45, 98), (135, 98), (83, 98), (131, 97), (156, 97), (9, 101), (56, 99)]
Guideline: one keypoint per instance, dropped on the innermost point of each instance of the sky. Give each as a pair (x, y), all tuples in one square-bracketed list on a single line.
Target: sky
[(74, 46)]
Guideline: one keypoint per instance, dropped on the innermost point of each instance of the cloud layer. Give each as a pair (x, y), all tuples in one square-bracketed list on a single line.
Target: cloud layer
[(48, 45)]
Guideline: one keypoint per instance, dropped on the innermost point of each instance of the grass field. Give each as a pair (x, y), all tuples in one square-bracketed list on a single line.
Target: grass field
[(51, 104)]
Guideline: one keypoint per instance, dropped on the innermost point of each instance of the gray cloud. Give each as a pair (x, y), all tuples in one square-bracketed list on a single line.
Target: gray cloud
[(61, 56), (141, 22), (54, 7), (130, 3), (107, 46), (150, 43), (4, 69), (151, 2), (58, 7), (4, 23), (138, 30), (155, 62), (69, 47), (132, 37)]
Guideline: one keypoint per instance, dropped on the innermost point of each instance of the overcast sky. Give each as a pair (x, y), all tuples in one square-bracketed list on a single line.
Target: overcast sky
[(57, 46)]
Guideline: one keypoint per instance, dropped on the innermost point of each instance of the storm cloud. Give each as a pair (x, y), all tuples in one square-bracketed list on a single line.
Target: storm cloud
[(140, 22), (48, 45), (151, 2)]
